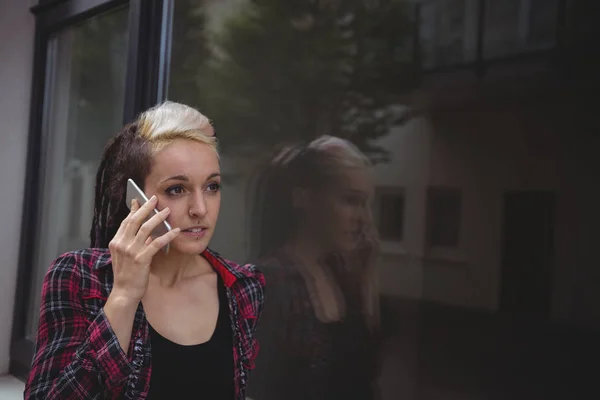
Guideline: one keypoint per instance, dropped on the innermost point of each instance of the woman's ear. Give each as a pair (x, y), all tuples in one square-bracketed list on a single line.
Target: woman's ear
[(300, 198)]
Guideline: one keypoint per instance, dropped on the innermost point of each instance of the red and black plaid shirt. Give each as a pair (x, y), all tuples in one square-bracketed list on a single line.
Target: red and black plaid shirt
[(77, 353)]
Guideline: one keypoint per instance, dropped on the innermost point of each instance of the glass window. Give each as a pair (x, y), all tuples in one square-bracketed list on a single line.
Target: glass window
[(444, 28), (451, 32), (390, 212), (502, 36), (85, 90), (543, 19), (476, 271), (443, 216), (514, 27)]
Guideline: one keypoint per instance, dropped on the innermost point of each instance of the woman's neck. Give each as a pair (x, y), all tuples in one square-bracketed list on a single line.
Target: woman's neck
[(305, 250), (172, 268)]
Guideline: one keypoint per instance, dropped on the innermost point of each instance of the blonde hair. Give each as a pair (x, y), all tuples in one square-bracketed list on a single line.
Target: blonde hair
[(168, 121), (129, 155), (310, 166), (342, 152)]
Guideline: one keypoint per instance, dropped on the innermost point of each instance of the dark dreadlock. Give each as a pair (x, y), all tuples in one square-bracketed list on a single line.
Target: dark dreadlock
[(126, 156)]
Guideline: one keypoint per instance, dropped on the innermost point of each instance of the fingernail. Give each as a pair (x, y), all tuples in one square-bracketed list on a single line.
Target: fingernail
[(153, 197), (166, 210), (132, 202), (177, 230)]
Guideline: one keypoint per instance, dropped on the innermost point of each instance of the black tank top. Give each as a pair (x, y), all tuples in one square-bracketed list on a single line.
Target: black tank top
[(198, 371)]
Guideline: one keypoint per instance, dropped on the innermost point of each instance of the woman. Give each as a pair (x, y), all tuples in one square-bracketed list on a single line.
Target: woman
[(317, 247), (125, 320)]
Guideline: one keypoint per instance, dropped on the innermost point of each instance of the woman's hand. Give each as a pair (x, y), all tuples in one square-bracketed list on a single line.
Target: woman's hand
[(132, 250), (370, 246)]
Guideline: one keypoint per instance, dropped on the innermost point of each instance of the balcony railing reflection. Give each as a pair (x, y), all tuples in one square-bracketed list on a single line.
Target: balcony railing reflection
[(461, 32)]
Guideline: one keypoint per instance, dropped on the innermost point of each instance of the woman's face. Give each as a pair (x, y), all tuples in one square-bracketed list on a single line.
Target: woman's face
[(185, 176), (340, 212)]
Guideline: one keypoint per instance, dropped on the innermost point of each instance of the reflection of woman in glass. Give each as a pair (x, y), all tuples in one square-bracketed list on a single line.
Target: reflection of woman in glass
[(317, 248), (125, 320)]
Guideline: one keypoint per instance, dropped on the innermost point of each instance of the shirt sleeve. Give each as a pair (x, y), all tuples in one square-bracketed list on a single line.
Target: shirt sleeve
[(76, 357)]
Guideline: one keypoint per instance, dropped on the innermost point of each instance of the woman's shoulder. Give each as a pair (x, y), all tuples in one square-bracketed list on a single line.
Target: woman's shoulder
[(81, 262), (245, 280), (234, 271), (278, 268), (249, 271), (76, 274)]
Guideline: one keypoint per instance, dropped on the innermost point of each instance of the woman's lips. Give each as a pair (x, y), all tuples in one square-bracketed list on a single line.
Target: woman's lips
[(194, 232)]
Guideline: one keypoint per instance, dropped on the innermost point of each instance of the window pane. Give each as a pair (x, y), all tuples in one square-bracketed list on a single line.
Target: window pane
[(502, 36), (391, 216), (271, 72), (543, 22), (444, 28), (443, 217), (84, 101), (514, 27)]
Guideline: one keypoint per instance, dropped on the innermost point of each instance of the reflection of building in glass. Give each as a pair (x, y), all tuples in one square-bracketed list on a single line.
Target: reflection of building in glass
[(481, 193), (479, 113), (449, 30)]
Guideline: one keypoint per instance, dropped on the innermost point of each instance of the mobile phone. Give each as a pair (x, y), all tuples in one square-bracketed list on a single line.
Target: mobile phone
[(134, 192)]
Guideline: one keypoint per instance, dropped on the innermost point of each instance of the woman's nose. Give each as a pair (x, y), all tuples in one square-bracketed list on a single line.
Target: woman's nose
[(198, 206)]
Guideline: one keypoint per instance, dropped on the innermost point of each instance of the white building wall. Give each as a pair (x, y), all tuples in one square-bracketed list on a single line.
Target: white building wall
[(486, 149), (401, 269), (490, 149)]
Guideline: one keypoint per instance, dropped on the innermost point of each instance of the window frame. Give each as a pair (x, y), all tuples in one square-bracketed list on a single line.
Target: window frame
[(148, 57)]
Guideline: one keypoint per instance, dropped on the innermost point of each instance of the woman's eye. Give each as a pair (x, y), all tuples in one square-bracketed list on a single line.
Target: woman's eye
[(214, 187), (175, 190)]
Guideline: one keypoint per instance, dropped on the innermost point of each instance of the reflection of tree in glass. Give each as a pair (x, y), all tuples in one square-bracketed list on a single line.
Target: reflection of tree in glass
[(189, 52), (97, 82), (294, 70)]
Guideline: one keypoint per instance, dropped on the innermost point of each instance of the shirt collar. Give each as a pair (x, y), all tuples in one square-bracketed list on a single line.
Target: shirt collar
[(230, 272)]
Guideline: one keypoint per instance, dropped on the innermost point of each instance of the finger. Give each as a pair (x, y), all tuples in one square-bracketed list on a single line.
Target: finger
[(148, 241), (133, 207), (147, 227), (160, 242), (139, 216)]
